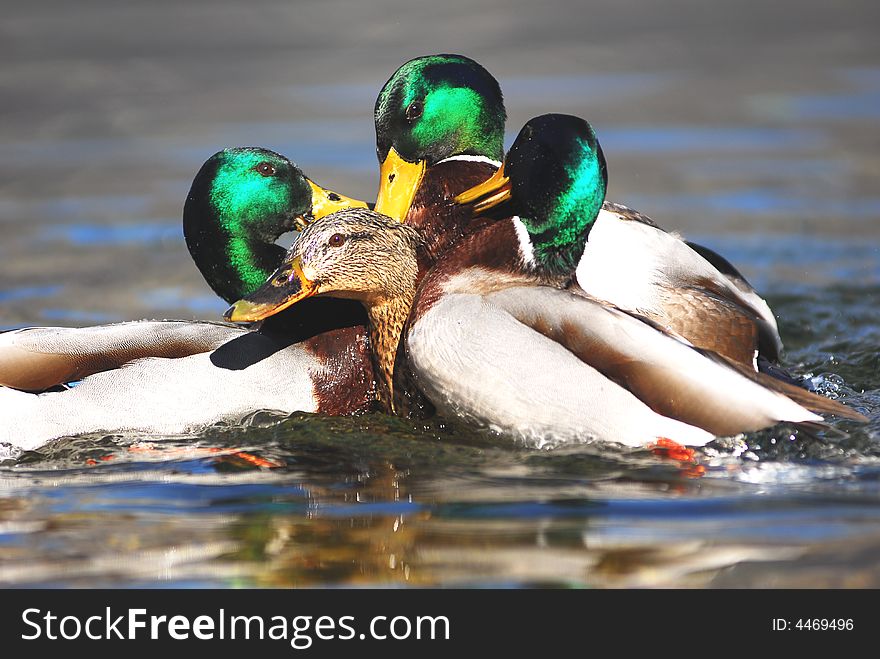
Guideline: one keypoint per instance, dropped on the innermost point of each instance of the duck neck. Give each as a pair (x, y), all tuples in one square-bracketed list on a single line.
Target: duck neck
[(388, 318), (554, 236), (247, 264), (554, 250), (441, 222)]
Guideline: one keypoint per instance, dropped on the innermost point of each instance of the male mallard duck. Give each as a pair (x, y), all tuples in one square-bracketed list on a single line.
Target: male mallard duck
[(492, 336), (439, 131), (241, 201), (440, 122), (548, 186), (198, 373)]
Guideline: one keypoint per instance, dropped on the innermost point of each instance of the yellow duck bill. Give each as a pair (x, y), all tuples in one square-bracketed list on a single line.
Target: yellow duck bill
[(493, 191), (326, 202), (398, 182), (287, 286)]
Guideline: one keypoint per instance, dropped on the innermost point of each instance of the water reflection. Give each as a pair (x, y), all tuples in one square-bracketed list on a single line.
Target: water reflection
[(372, 503)]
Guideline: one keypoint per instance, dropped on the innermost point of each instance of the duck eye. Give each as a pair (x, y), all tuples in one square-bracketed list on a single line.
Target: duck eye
[(414, 111), (336, 240), (282, 277), (265, 169)]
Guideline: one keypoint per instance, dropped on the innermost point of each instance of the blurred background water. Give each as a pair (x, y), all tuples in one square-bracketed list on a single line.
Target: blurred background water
[(751, 127)]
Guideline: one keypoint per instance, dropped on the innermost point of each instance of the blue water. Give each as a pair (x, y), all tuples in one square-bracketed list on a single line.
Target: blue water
[(28, 293), (94, 234)]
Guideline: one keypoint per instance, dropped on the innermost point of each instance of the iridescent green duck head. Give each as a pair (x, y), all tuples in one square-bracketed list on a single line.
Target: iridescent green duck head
[(554, 180), (241, 201), (433, 108)]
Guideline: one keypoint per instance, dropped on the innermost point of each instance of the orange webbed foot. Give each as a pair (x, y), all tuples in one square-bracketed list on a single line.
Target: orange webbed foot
[(667, 448)]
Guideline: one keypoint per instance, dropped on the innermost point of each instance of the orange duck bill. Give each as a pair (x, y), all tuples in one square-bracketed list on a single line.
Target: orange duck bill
[(488, 194), (287, 286)]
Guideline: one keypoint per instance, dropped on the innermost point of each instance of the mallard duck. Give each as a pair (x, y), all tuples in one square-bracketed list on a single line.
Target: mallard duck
[(547, 185), (439, 130), (241, 201), (440, 123), (182, 375), (493, 337)]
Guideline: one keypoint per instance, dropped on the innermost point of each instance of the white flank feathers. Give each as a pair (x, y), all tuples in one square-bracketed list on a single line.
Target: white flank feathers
[(161, 396)]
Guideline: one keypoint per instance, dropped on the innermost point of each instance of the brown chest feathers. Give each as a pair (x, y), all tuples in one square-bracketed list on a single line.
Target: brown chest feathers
[(439, 221), (346, 384)]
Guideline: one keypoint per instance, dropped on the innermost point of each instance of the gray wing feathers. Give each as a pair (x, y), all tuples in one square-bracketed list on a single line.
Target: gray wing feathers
[(631, 240), (670, 376), (36, 358)]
